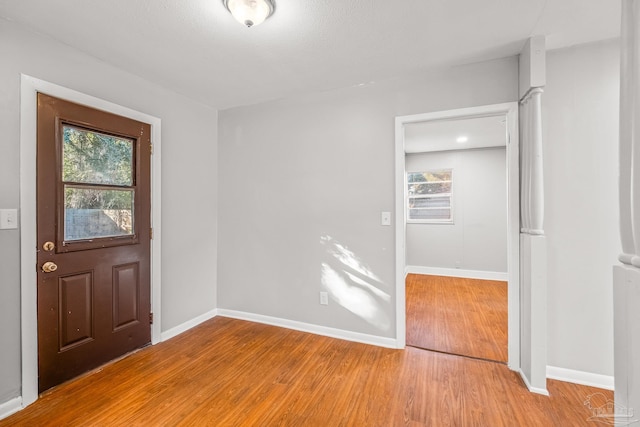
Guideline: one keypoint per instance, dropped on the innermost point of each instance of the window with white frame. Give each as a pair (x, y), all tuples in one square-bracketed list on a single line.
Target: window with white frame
[(429, 196)]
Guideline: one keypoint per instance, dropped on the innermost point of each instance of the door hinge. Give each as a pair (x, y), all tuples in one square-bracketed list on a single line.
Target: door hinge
[(151, 233), (151, 148), (151, 318)]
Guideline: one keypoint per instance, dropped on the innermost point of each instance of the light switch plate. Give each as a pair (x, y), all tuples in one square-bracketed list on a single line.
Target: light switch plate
[(385, 218), (324, 298), (8, 219)]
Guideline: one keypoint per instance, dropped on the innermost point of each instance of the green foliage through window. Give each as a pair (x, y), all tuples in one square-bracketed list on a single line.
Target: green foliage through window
[(97, 171), (96, 158)]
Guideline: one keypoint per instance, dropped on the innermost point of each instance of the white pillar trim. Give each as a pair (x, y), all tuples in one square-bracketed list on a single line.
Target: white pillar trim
[(532, 193), (533, 246), (626, 277), (627, 107), (630, 120)]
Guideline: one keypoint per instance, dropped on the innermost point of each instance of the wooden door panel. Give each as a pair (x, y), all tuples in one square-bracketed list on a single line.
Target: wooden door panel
[(75, 315), (94, 208), (126, 289)]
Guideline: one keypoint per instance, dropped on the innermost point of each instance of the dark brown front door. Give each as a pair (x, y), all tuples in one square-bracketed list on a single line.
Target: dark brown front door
[(93, 202)]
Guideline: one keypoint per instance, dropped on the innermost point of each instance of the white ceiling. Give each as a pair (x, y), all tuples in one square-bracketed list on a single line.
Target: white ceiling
[(442, 135), (196, 48)]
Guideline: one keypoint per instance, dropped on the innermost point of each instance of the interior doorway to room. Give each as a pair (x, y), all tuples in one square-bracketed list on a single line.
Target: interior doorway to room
[(93, 237), (457, 231)]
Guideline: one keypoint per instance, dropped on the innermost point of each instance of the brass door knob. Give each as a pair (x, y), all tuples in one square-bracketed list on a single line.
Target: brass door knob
[(49, 267), (48, 246)]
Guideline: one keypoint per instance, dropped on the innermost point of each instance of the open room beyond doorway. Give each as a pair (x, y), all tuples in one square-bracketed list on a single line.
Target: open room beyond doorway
[(445, 225), (457, 226)]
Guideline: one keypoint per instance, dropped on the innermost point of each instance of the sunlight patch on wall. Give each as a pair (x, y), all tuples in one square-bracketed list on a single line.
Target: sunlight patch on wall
[(377, 292), (347, 257), (353, 285)]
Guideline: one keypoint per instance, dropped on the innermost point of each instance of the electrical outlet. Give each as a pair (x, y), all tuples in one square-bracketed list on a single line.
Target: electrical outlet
[(324, 298), (8, 219)]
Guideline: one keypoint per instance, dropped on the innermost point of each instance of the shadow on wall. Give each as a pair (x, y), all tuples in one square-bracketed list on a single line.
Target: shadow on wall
[(353, 285)]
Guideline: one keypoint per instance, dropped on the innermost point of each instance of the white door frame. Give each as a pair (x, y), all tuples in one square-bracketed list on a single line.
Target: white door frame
[(510, 112), (30, 86)]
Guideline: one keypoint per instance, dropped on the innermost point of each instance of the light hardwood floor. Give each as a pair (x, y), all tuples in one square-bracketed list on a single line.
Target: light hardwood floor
[(458, 316), (229, 372)]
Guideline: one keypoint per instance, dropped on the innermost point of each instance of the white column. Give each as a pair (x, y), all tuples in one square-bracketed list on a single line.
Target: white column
[(525, 166), (533, 247), (532, 191), (626, 277), (536, 196), (631, 73), (627, 81)]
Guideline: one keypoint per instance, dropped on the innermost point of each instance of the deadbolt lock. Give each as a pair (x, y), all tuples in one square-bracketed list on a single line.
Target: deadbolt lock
[(48, 246), (49, 267)]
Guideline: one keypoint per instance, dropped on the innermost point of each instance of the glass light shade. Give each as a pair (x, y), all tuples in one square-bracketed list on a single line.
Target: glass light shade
[(250, 12)]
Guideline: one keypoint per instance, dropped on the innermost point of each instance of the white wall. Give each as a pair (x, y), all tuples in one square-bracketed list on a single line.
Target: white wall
[(580, 134), (477, 239), (189, 179), (304, 179), (296, 170)]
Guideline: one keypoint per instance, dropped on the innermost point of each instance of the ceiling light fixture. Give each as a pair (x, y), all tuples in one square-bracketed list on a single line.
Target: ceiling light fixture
[(250, 12), (462, 139)]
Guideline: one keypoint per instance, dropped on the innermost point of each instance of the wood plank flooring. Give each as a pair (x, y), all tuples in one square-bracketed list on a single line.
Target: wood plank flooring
[(229, 372), (458, 316)]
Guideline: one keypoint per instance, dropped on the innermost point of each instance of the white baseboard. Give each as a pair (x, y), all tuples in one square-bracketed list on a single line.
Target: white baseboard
[(532, 389), (313, 329), (168, 334), (580, 377), (10, 407), (456, 272)]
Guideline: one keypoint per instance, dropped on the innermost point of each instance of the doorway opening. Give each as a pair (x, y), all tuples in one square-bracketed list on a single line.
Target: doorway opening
[(30, 87), (440, 235), (94, 225)]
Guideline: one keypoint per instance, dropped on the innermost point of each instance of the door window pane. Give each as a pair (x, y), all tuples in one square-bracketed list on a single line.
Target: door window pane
[(94, 212), (96, 158)]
